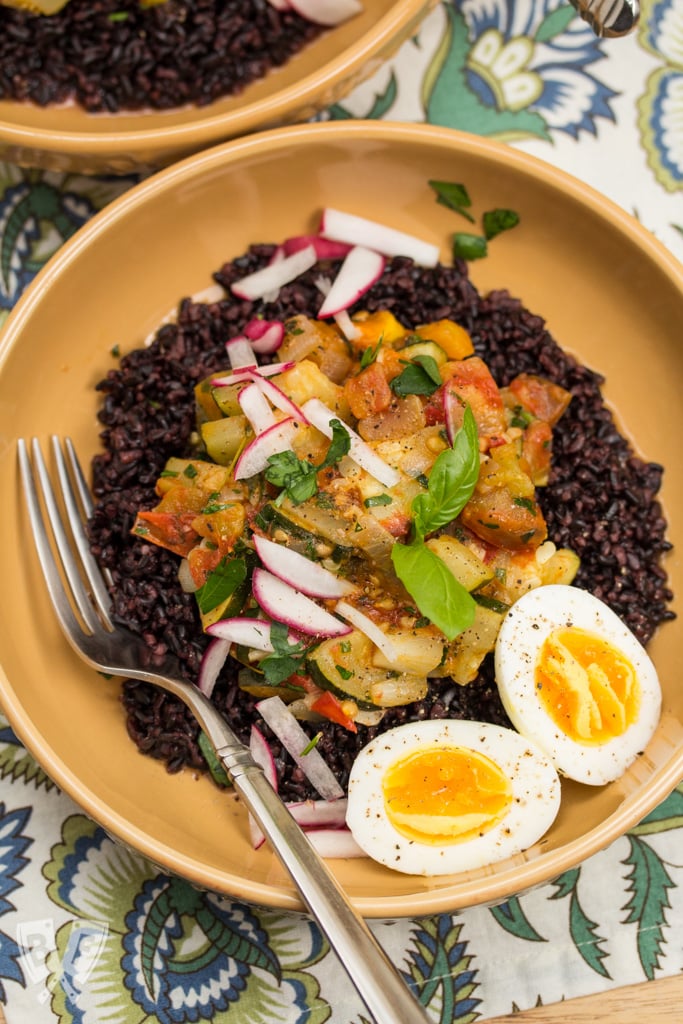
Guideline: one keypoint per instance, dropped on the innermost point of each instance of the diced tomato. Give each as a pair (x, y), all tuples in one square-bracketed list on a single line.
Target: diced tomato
[(368, 393), (398, 525), (223, 527), (537, 450), (167, 529), (433, 408), (331, 707), (503, 510), (202, 562), (544, 399), (471, 380)]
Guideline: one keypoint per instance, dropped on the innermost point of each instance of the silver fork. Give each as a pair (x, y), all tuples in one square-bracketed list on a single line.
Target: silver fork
[(116, 651)]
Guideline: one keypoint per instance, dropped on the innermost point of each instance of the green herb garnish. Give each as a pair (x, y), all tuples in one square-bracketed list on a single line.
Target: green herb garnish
[(298, 477), (370, 355), (378, 499), (420, 377), (286, 658), (498, 220), (221, 584), (218, 772), (469, 247), (453, 196), (437, 593)]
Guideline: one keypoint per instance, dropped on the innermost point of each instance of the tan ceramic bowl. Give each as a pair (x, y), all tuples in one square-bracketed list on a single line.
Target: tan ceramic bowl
[(610, 293), (71, 139)]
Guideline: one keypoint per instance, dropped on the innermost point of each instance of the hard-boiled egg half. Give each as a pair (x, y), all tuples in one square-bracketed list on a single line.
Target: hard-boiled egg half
[(437, 797), (574, 678)]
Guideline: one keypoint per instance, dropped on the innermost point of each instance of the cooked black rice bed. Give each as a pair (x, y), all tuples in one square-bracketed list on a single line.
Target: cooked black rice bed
[(111, 55), (601, 500)]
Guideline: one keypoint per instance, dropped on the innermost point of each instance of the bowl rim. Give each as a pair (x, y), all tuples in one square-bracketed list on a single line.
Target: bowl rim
[(208, 128), (527, 873)]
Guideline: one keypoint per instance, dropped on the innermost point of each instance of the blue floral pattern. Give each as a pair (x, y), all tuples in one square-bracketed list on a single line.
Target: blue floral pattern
[(13, 844), (660, 108)]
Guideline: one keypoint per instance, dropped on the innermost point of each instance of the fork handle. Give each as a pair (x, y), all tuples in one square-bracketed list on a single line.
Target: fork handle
[(375, 978)]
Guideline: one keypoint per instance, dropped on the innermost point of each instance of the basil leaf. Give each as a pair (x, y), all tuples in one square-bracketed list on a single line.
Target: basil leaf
[(286, 658), (430, 367), (221, 584), (414, 380), (296, 476), (468, 247), (495, 221), (451, 481), (378, 499), (453, 196), (435, 590)]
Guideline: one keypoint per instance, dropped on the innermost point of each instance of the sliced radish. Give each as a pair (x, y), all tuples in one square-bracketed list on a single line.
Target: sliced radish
[(240, 352), (275, 275), (311, 815), (185, 577), (364, 624), (287, 604), (278, 398), (212, 662), (359, 271), (293, 738), (347, 227), (300, 572), (238, 377), (342, 319), (452, 413), (317, 413), (254, 633), (325, 247), (279, 252), (256, 408), (265, 335), (263, 755), (335, 843), (327, 12), (254, 457)]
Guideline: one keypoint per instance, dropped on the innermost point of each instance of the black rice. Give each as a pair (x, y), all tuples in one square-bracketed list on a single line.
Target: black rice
[(111, 55), (601, 499)]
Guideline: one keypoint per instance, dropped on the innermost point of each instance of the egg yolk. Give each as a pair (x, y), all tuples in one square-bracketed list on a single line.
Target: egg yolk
[(586, 685), (445, 794)]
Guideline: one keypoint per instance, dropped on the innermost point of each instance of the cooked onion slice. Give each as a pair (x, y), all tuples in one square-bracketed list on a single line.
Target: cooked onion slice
[(242, 373), (275, 275), (254, 458), (347, 227), (212, 662), (300, 572), (365, 625), (286, 604), (256, 408), (295, 741), (359, 271), (317, 413), (327, 12)]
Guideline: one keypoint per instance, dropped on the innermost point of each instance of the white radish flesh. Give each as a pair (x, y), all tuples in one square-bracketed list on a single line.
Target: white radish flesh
[(348, 227), (295, 741), (242, 374), (240, 352), (364, 624), (256, 408), (254, 458), (320, 416), (275, 275)]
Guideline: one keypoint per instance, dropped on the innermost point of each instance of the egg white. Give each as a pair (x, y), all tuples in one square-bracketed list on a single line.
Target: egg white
[(535, 797), (523, 631)]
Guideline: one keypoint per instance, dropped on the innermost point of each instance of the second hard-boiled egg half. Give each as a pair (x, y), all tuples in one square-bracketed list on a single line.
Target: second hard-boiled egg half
[(437, 797), (573, 678)]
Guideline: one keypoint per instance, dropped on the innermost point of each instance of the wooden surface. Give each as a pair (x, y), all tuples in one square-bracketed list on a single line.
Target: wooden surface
[(660, 1001)]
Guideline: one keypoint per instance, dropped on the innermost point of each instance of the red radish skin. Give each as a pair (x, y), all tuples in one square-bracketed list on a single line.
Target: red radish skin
[(265, 335), (287, 604), (348, 227), (325, 247), (241, 375), (256, 408), (278, 398), (213, 659)]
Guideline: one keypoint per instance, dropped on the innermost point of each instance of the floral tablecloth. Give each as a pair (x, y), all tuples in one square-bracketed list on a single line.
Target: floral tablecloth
[(90, 932)]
